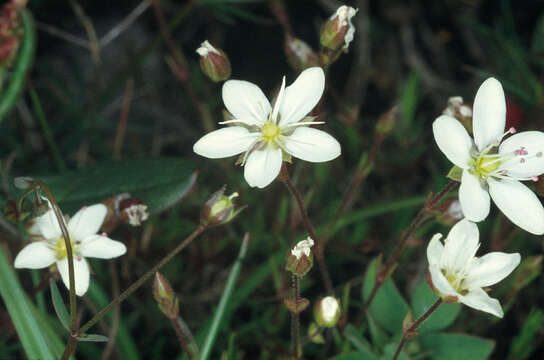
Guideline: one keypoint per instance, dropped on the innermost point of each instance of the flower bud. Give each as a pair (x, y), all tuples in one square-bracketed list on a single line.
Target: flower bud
[(387, 121), (327, 311), (165, 297), (299, 54), (214, 62), (338, 29), (460, 110), (300, 258), (449, 212), (23, 182), (133, 211), (219, 209)]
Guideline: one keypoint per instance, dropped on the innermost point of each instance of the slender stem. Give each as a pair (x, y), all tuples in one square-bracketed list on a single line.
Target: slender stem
[(181, 337), (387, 268), (122, 125), (284, 177), (199, 230), (295, 319), (69, 254), (411, 331)]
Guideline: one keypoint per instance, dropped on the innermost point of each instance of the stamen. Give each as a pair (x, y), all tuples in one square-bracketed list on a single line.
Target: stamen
[(104, 234), (512, 130), (302, 124), (521, 151), (534, 178)]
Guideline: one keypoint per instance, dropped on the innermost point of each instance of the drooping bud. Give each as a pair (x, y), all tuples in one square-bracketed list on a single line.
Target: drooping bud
[(219, 209), (300, 258), (165, 297), (299, 54), (459, 110), (23, 182), (327, 311), (387, 121), (338, 29), (124, 208), (214, 62)]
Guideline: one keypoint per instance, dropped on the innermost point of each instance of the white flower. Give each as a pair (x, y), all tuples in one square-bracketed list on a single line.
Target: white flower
[(491, 167), (51, 248), (206, 48), (344, 14), (264, 134), (329, 308), (457, 273), (303, 247)]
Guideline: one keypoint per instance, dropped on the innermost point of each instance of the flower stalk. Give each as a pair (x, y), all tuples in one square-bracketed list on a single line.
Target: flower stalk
[(295, 318)]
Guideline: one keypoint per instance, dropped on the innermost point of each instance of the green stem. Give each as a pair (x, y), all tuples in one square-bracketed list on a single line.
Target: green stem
[(221, 308)]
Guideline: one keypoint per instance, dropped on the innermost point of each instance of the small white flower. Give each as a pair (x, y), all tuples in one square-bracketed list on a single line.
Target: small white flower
[(265, 134), (51, 248), (457, 273), (329, 308), (344, 14), (206, 48), (303, 247), (491, 167)]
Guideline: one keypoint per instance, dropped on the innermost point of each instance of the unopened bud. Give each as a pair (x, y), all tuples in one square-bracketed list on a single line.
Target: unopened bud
[(214, 62), (23, 182), (327, 311), (338, 29), (219, 209), (459, 110), (299, 54), (449, 212), (165, 297), (133, 211), (300, 258), (387, 121)]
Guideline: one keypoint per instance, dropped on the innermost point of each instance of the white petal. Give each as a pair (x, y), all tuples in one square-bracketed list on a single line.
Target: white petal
[(225, 142), (453, 140), (489, 113), (102, 247), (279, 100), (479, 300), (262, 166), (532, 165), (302, 95), (46, 226), (519, 204), (311, 145), (87, 221), (245, 100), (491, 268), (434, 250), (473, 198), (35, 255), (440, 283), (460, 246), (81, 274)]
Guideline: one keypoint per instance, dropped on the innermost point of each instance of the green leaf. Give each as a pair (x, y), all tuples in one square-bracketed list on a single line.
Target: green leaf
[(524, 344), (158, 182), (25, 58), (31, 331), (59, 306), (92, 338), (359, 342), (353, 356), (455, 173), (456, 346), (388, 307), (422, 299)]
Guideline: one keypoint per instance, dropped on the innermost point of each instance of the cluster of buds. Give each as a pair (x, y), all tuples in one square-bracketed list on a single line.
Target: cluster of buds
[(300, 258), (219, 209), (214, 62), (338, 31), (165, 297), (126, 209), (10, 30), (327, 312), (299, 54), (459, 110)]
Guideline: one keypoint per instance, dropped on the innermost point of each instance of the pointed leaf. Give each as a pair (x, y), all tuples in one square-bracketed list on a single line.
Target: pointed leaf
[(92, 338), (59, 306), (442, 346)]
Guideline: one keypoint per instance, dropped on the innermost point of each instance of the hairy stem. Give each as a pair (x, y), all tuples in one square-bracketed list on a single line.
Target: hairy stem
[(295, 319), (182, 338)]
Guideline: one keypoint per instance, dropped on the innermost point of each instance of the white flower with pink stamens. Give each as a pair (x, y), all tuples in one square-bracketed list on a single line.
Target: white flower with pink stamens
[(269, 135), (51, 248), (492, 167)]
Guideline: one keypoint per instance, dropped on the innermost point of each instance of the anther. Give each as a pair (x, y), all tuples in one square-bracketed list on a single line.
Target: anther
[(534, 178), (512, 130), (104, 234)]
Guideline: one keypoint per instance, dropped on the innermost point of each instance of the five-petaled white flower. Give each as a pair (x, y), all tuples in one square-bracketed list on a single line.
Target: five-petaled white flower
[(267, 135), (51, 248), (457, 275), (491, 167)]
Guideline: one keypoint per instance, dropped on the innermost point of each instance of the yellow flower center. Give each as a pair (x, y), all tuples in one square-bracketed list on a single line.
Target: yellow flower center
[(484, 165), (60, 249), (455, 281), (270, 131)]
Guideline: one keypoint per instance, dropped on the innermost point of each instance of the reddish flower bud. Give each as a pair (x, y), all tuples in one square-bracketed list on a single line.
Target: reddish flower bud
[(214, 62), (165, 297), (299, 54), (460, 110), (300, 259)]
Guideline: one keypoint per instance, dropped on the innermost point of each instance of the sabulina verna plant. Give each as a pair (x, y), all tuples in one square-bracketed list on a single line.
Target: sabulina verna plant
[(50, 247), (300, 258), (457, 275), (214, 62), (338, 30), (491, 166), (327, 311), (268, 136)]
